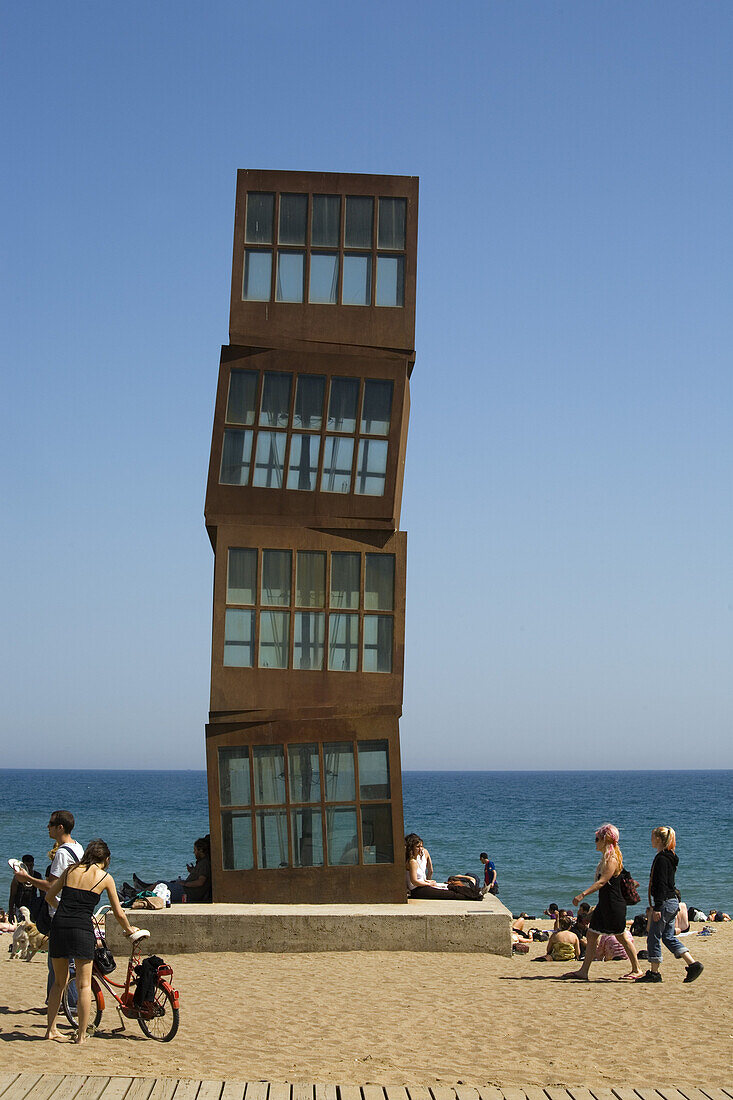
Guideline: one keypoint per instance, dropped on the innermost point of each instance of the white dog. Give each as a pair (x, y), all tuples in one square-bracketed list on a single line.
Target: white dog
[(27, 940)]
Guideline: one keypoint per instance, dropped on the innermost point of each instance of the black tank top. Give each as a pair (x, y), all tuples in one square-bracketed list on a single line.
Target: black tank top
[(76, 906)]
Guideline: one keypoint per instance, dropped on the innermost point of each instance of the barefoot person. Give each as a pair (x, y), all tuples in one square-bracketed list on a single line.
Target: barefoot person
[(609, 915), (72, 931), (663, 907)]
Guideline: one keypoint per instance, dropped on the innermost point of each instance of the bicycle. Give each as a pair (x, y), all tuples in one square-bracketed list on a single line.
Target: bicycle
[(158, 1018)]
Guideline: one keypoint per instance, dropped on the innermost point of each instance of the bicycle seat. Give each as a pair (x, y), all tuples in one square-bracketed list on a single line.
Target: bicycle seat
[(141, 934)]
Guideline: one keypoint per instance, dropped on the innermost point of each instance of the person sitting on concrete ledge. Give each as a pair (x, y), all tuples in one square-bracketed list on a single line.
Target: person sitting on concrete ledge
[(418, 884), (197, 887)]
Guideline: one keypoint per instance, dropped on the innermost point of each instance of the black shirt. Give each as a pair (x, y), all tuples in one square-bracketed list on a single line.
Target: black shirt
[(661, 883)]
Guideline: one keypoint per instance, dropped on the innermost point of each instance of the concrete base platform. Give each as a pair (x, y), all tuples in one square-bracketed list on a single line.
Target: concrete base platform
[(417, 926)]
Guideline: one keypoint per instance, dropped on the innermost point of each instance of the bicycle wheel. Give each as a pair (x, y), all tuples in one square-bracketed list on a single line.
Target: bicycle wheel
[(69, 1009), (161, 1015)]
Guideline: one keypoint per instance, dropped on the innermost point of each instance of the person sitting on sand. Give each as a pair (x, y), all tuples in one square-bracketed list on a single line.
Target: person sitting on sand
[(717, 915), (563, 945), (580, 928), (608, 949), (682, 920), (197, 887), (552, 910), (609, 914)]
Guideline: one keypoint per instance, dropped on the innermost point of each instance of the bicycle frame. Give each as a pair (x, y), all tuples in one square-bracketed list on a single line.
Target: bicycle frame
[(125, 1001)]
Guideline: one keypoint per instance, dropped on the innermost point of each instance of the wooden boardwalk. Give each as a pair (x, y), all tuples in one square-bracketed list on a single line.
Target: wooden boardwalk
[(57, 1086)]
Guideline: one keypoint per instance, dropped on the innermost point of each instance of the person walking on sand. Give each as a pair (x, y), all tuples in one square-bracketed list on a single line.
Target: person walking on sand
[(609, 915), (663, 907), (72, 931)]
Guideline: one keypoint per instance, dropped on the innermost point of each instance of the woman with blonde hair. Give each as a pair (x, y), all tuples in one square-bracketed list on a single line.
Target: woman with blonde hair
[(663, 906), (609, 915)]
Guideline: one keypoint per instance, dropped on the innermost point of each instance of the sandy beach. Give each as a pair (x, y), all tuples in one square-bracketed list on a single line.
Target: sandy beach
[(391, 1018)]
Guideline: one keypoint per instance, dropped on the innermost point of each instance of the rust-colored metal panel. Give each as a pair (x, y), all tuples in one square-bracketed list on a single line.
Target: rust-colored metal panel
[(270, 322), (359, 882), (316, 507)]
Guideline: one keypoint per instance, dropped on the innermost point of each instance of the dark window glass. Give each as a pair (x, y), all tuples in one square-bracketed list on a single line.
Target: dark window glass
[(379, 582), (378, 631), (338, 454), (272, 838), (234, 789), (343, 642), (307, 838), (275, 409), (377, 408), (326, 226), (376, 833), (305, 773), (236, 453), (274, 639), (269, 774), (359, 221), (391, 230), (309, 393), (303, 464), (342, 404), (373, 769), (371, 467), (310, 578), (293, 214), (242, 575), (338, 759), (310, 632), (260, 209), (276, 578), (236, 838), (269, 460), (345, 576), (242, 397), (342, 839)]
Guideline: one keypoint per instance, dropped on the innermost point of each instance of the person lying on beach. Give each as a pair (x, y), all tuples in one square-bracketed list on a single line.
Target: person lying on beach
[(197, 887), (717, 915), (518, 927), (563, 945)]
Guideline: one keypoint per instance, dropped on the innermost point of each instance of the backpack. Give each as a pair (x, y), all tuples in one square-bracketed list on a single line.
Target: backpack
[(638, 925), (628, 886), (44, 918), (464, 891)]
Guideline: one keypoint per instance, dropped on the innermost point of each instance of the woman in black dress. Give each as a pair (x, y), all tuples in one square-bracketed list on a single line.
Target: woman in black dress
[(72, 931), (609, 915)]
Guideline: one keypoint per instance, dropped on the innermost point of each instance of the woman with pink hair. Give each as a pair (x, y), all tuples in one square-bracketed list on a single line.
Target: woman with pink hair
[(609, 915)]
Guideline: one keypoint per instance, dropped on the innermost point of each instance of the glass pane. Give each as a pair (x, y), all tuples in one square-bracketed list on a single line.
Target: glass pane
[(257, 276), (342, 839), (276, 578), (307, 838), (326, 227), (242, 397), (379, 582), (324, 278), (345, 576), (309, 393), (343, 642), (236, 837), (269, 774), (234, 776), (373, 769), (272, 838), (275, 409), (274, 639), (310, 578), (290, 276), (371, 467), (338, 761), (391, 229), (338, 455), (376, 834), (390, 280), (303, 464), (310, 632), (269, 460), (305, 773), (357, 286), (235, 457), (293, 216), (342, 404), (239, 639), (242, 576), (359, 219), (377, 643), (377, 407), (260, 210)]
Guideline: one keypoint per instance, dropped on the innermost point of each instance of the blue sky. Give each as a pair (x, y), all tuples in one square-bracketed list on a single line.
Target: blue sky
[(568, 486)]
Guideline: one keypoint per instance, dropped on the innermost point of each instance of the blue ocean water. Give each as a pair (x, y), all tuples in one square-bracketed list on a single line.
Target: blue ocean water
[(537, 826)]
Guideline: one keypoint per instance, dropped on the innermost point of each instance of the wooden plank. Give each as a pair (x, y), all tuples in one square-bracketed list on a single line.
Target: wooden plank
[(210, 1090), (233, 1090), (715, 1094), (669, 1093), (602, 1093), (692, 1093), (164, 1088), (514, 1094), (185, 1090), (140, 1088), (43, 1089), (69, 1087), (393, 1092), (624, 1093), (534, 1092), (92, 1088), (371, 1092), (418, 1092), (353, 1092), (6, 1080), (465, 1092), (647, 1094), (301, 1091), (439, 1092), (117, 1089), (22, 1084), (278, 1091), (490, 1092), (555, 1092), (255, 1090), (581, 1093), (328, 1092)]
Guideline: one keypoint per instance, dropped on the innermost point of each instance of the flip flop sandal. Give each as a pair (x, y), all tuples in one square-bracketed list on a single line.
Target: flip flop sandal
[(17, 866)]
